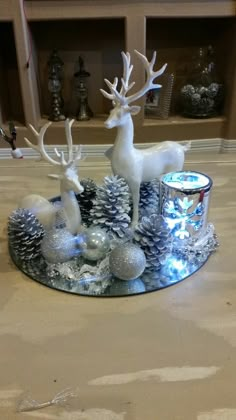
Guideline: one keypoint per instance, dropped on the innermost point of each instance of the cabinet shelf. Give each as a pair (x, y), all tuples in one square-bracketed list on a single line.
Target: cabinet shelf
[(180, 128), (37, 10), (178, 41), (101, 55), (99, 31), (152, 130), (179, 120), (96, 122)]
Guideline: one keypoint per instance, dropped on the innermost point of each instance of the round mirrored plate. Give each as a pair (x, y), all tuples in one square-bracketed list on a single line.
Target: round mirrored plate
[(175, 270)]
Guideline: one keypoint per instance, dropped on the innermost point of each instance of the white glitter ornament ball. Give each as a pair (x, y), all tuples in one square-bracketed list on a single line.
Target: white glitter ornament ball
[(59, 245), (97, 242), (40, 207), (127, 262)]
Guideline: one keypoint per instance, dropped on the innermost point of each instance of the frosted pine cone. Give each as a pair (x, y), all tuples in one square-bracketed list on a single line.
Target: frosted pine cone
[(86, 198), (153, 236), (149, 198), (25, 234), (111, 206)]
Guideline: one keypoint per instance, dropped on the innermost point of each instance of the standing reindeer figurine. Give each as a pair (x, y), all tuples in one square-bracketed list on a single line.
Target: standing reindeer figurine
[(134, 165), (69, 180)]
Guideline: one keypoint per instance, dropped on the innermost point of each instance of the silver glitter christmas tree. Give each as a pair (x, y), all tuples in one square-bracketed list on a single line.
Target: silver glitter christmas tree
[(25, 234), (149, 198), (153, 236), (85, 200), (111, 206)]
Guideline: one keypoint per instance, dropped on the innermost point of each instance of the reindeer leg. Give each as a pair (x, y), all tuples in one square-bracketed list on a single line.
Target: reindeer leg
[(135, 198)]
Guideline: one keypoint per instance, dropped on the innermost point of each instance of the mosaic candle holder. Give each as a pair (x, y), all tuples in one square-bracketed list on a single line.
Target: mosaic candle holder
[(184, 203)]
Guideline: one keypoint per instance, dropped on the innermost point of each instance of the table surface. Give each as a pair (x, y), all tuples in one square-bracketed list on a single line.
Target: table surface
[(163, 355)]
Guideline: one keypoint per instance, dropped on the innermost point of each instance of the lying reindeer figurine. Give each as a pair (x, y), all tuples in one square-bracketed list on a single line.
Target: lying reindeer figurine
[(69, 182), (137, 165)]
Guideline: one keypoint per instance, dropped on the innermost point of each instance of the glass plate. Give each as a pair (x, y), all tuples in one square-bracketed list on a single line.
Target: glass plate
[(175, 270)]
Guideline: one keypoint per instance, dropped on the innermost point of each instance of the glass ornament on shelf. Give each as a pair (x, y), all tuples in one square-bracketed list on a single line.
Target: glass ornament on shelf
[(202, 95), (55, 77), (84, 112)]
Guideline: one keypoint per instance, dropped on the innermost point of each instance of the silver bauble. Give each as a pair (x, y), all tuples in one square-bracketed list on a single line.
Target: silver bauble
[(127, 262), (97, 242), (123, 288), (59, 245), (25, 234)]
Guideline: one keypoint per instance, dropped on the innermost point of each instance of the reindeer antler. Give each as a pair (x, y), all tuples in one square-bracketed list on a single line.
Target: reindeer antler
[(126, 74), (40, 147), (60, 155), (151, 75), (68, 125), (120, 97), (112, 87)]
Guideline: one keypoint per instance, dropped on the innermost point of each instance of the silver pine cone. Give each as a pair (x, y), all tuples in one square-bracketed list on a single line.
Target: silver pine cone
[(153, 236), (111, 206), (149, 198), (86, 198), (25, 234)]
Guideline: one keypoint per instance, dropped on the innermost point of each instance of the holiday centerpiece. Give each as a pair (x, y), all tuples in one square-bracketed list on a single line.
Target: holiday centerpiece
[(144, 228)]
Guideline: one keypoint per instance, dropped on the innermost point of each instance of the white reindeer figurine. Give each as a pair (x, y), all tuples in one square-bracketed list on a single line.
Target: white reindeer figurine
[(136, 165), (69, 180)]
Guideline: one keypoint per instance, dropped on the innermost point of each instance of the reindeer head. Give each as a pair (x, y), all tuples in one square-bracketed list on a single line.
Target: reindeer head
[(121, 103), (69, 176), (69, 179), (120, 114)]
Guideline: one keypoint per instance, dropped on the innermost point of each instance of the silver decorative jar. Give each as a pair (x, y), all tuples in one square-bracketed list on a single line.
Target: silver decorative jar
[(202, 95), (184, 203)]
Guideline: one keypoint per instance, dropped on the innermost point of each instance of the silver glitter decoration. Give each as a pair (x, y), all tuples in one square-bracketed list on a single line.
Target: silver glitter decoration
[(79, 277), (60, 216), (68, 270), (127, 262), (197, 250), (97, 243), (59, 245)]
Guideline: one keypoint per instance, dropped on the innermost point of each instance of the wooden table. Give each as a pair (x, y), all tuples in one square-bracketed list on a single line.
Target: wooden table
[(162, 355)]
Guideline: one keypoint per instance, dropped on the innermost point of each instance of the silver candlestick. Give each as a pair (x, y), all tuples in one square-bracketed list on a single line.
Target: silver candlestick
[(55, 65), (84, 112)]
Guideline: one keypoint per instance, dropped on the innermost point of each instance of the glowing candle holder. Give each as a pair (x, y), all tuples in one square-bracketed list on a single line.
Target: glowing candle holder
[(184, 201)]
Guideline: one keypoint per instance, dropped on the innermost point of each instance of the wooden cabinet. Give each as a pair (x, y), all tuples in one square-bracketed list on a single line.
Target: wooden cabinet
[(10, 90), (99, 31)]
